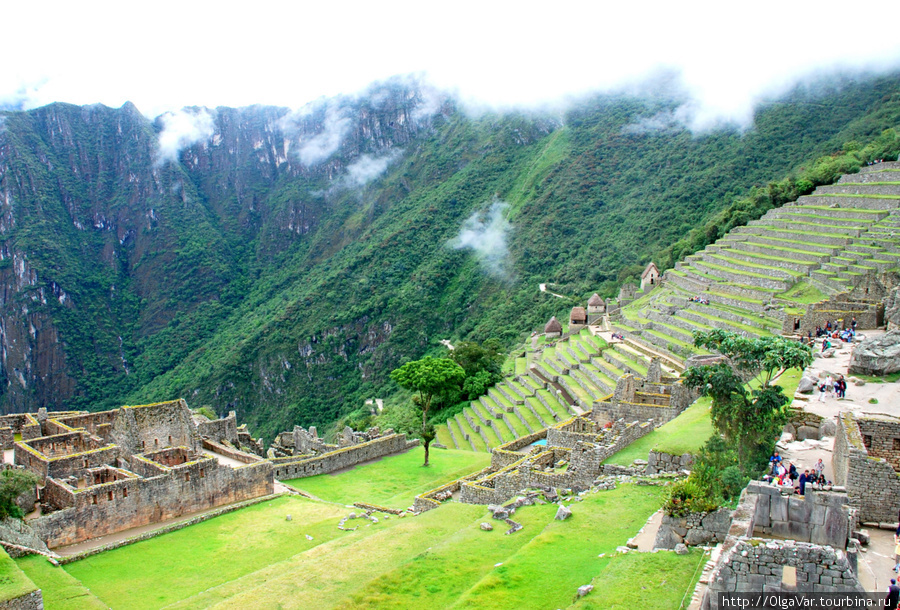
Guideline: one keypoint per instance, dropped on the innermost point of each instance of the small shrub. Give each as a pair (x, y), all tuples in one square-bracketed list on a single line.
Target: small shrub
[(873, 401), (688, 496)]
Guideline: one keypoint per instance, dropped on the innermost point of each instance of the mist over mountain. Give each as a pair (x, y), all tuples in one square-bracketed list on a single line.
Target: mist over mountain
[(282, 262)]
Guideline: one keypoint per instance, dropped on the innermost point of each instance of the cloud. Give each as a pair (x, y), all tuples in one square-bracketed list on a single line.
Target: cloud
[(485, 233), (327, 142), (181, 129), (368, 167)]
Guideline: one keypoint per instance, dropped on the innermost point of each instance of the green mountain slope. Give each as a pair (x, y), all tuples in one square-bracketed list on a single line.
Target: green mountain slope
[(250, 276)]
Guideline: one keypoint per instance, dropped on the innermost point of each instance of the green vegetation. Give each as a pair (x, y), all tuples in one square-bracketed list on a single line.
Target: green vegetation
[(429, 377), (13, 582), (748, 410), (438, 559), (13, 483), (60, 590), (685, 434), (666, 580), (292, 298), (802, 292), (392, 481)]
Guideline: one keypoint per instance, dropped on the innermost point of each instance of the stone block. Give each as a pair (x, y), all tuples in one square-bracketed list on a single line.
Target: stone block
[(805, 432), (778, 508), (697, 536), (799, 510), (799, 530)]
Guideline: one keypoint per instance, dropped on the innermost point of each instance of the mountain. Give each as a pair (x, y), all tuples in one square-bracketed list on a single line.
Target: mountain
[(281, 263)]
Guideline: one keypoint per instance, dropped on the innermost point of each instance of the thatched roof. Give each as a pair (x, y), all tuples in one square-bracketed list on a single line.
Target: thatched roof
[(578, 315), (595, 301), (553, 326), (650, 267)]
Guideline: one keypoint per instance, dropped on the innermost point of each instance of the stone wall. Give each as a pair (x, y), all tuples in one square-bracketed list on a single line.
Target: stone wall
[(693, 529), (506, 454), (761, 565), (295, 468), (111, 507), (29, 601), (659, 461), (230, 452), (631, 411), (872, 483), (867, 315), (7, 438), (817, 517), (155, 426), (219, 430)]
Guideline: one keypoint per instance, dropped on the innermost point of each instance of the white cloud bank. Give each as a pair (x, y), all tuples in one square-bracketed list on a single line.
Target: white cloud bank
[(181, 129), (485, 233), (368, 168), (729, 55)]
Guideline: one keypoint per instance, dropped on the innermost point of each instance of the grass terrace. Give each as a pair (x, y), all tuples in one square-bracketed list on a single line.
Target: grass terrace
[(395, 480), (13, 582)]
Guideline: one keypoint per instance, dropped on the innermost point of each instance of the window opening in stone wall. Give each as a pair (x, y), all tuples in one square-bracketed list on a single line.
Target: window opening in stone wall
[(110, 494), (85, 462), (124, 492), (93, 499), (187, 476), (143, 444), (170, 439), (897, 444), (867, 440), (156, 442), (202, 475)]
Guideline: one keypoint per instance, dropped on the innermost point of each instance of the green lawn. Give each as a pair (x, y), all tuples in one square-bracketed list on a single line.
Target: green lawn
[(802, 292), (61, 591), (396, 480), (666, 582), (684, 434), (13, 582)]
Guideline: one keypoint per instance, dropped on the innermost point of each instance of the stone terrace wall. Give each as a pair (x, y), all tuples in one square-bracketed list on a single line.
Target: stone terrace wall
[(28, 601), (294, 468), (693, 529), (659, 461), (872, 483), (119, 505), (98, 424), (632, 411)]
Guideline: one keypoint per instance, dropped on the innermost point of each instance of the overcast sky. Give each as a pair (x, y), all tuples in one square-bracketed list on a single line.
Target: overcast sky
[(163, 55)]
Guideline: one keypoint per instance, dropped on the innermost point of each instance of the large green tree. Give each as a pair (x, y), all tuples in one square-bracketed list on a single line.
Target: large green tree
[(428, 377), (748, 409)]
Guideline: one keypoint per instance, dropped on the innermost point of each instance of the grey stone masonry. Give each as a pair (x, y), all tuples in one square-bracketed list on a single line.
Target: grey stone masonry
[(864, 450)]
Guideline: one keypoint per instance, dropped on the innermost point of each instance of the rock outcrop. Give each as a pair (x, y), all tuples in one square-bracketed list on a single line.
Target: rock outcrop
[(877, 356)]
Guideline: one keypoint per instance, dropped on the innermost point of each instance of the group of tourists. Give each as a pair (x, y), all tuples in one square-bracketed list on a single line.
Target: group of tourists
[(833, 388), (786, 474), (700, 300), (618, 336)]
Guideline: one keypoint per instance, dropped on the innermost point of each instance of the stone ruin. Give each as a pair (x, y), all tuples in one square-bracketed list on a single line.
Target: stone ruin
[(109, 471), (306, 443), (866, 462)]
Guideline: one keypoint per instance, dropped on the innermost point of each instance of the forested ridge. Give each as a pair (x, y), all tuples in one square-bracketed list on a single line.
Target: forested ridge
[(269, 270)]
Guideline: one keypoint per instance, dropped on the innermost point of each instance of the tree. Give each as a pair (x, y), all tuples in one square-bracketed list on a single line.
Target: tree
[(428, 377), (13, 483), (748, 419)]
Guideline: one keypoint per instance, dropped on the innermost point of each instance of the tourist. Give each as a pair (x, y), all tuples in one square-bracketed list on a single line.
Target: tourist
[(822, 388), (828, 326), (841, 387), (804, 479), (826, 344), (893, 596), (819, 468), (897, 554), (774, 461), (853, 324), (792, 472), (829, 385)]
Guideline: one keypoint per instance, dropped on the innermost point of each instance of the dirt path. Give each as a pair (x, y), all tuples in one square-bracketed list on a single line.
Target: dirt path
[(543, 288)]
